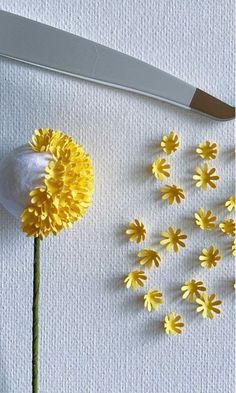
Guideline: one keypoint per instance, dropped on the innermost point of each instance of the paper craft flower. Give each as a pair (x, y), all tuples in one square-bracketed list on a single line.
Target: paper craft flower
[(173, 239), (136, 231), (192, 289), (234, 248), (47, 183), (172, 194), (207, 150), (228, 227), (135, 278), (207, 305), (206, 221), (205, 177), (152, 299), (173, 324), (209, 258), (148, 257), (231, 203), (170, 143), (160, 169)]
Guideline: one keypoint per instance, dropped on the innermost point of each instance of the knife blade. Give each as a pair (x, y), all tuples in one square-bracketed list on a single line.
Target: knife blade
[(38, 44)]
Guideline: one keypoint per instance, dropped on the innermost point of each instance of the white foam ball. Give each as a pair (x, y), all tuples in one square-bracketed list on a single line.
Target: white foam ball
[(20, 172)]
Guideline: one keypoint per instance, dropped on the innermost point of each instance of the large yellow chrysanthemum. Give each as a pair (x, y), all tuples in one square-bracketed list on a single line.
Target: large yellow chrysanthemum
[(68, 185)]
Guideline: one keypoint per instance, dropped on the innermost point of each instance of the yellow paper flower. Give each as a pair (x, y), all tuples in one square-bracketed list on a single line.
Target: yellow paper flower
[(192, 289), (231, 203), (172, 194), (207, 305), (234, 248), (160, 169), (170, 143), (152, 299), (206, 221), (136, 231), (207, 150), (205, 177), (173, 324), (173, 239), (209, 258), (67, 187), (135, 278), (228, 227), (148, 257)]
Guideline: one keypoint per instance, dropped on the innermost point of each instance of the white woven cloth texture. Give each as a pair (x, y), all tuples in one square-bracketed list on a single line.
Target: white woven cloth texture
[(95, 335)]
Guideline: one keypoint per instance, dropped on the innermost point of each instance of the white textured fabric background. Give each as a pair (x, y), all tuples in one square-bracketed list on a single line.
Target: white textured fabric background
[(95, 335)]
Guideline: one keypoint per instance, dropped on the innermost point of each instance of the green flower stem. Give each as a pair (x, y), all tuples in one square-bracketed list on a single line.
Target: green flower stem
[(35, 309)]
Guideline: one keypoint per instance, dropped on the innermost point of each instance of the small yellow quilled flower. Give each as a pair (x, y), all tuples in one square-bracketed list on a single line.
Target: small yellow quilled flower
[(135, 279), (209, 257), (231, 203), (206, 221), (173, 239), (173, 324), (205, 177), (234, 248), (152, 299), (136, 231), (228, 227), (207, 305), (160, 169), (207, 150), (192, 289), (170, 143), (148, 257), (172, 194)]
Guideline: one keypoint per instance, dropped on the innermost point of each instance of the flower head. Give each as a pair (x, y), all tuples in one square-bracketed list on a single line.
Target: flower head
[(228, 227), (205, 177), (172, 194), (207, 305), (234, 248), (206, 221), (231, 203), (135, 278), (160, 169), (148, 257), (173, 239), (192, 289), (209, 258), (173, 324), (66, 189), (207, 150), (136, 231), (170, 143), (152, 299)]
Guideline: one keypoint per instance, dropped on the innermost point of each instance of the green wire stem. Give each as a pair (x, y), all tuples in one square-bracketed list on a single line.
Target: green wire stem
[(35, 309)]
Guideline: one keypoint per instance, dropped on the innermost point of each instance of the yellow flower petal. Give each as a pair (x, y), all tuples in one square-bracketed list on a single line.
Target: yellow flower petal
[(170, 143), (207, 150), (148, 257), (206, 221), (209, 258), (160, 169), (205, 177), (207, 305), (135, 278), (152, 299), (192, 289), (173, 239), (173, 324), (172, 194), (136, 231), (228, 227)]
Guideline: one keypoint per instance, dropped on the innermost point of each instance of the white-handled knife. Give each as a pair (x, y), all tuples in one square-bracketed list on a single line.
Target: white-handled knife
[(44, 46)]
